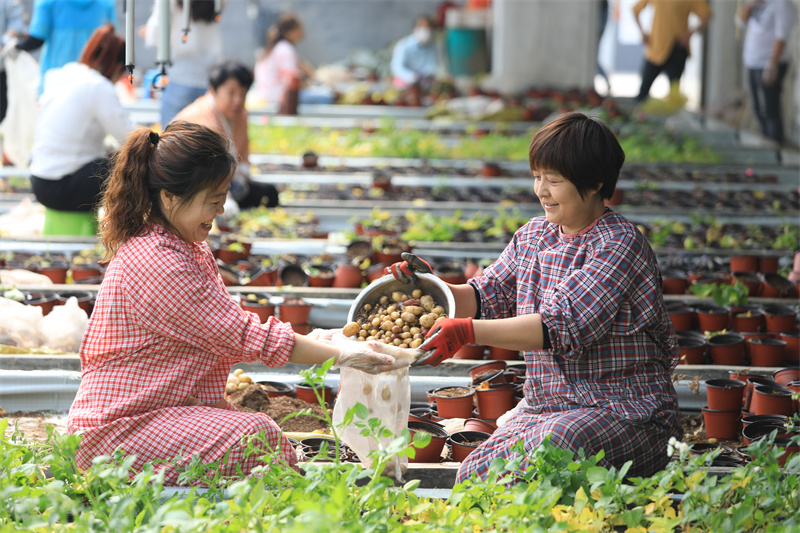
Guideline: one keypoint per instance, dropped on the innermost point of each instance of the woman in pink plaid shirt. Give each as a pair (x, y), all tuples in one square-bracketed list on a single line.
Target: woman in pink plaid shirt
[(579, 292), (164, 331)]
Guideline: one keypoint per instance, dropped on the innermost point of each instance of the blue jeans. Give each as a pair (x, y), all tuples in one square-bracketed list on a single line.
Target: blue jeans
[(174, 98)]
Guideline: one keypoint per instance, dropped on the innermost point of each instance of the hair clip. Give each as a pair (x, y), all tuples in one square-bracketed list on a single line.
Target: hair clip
[(154, 138)]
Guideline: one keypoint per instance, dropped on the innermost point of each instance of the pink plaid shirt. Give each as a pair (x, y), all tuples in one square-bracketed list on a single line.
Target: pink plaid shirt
[(164, 328), (599, 294)]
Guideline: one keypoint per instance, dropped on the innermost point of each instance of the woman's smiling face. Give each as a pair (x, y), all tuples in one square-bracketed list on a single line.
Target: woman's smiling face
[(192, 221), (563, 204)]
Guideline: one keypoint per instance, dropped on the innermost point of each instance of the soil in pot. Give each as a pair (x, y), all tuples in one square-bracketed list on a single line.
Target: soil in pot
[(692, 350), (766, 352), (259, 304), (277, 409), (294, 311), (292, 275), (721, 424), (727, 349), (431, 453), (712, 317), (454, 402), (494, 401), (724, 394), (486, 367), (465, 442), (319, 275)]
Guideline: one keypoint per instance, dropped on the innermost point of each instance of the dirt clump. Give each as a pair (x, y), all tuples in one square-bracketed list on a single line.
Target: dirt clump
[(255, 400)]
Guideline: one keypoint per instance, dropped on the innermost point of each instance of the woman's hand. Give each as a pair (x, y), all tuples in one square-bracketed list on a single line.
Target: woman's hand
[(371, 357)]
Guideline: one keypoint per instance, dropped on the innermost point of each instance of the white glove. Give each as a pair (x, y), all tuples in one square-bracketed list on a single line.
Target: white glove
[(371, 357), (10, 50), (505, 417), (324, 336)]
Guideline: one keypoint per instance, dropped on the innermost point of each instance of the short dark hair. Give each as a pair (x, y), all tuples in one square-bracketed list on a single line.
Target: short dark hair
[(202, 10), (231, 69), (582, 149)]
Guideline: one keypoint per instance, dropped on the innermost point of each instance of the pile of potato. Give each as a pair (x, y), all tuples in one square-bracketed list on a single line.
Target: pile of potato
[(238, 381), (402, 320)]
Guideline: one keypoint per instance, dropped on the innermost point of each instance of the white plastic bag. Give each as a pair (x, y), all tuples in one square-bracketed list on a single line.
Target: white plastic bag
[(19, 125), (63, 328), (388, 398), (19, 324)]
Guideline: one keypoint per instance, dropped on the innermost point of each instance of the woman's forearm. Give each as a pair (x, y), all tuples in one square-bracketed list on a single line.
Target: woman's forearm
[(308, 352), (517, 333)]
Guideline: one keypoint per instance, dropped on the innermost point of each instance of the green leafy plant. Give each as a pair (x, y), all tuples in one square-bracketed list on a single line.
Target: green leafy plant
[(734, 294)]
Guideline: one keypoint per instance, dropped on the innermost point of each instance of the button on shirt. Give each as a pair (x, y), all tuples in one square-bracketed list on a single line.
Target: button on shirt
[(599, 294), (410, 60)]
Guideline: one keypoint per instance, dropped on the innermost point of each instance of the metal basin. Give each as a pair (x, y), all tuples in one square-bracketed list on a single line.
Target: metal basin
[(385, 286)]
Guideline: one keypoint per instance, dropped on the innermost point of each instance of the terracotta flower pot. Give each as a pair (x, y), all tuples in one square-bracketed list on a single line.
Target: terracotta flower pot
[(454, 406), (724, 394), (376, 272), (753, 382), (84, 272), (471, 351), (231, 257), (276, 388), (776, 286), (495, 400), (302, 329), (348, 276), (359, 249), (744, 263), (794, 386), (423, 413), (727, 349), (721, 424), (476, 424), (750, 280), (692, 350), (320, 276), (760, 429), (259, 304), (294, 311), (674, 283), (57, 272), (263, 277), (766, 352), (306, 393), (740, 375), (465, 442), (433, 451), (780, 318), (768, 265), (452, 273), (791, 354), (772, 401), (752, 419), (482, 368), (44, 299), (491, 170), (712, 317), (747, 320), (85, 299), (784, 376), (502, 354), (683, 318)]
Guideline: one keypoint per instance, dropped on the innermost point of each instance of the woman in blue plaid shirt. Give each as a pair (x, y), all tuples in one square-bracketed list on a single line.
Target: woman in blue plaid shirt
[(578, 291)]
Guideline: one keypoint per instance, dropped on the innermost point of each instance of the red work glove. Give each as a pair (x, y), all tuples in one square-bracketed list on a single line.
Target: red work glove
[(406, 270), (445, 339)]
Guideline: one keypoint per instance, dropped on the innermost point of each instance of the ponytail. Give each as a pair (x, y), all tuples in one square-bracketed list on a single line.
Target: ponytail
[(184, 160)]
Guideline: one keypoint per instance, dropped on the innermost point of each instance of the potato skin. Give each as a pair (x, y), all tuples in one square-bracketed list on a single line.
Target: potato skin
[(351, 329)]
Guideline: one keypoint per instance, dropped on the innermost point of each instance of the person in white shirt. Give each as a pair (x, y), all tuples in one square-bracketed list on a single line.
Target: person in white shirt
[(280, 69), (415, 59), (78, 108), (769, 24), (192, 59)]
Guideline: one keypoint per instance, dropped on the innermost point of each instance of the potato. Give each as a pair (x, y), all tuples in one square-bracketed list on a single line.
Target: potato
[(384, 300), (244, 378), (351, 329), (427, 321), (414, 309), (408, 318), (367, 390), (427, 302), (230, 387), (234, 380), (438, 310), (243, 385), (238, 372), (398, 296), (416, 343), (377, 321), (386, 393), (416, 294)]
